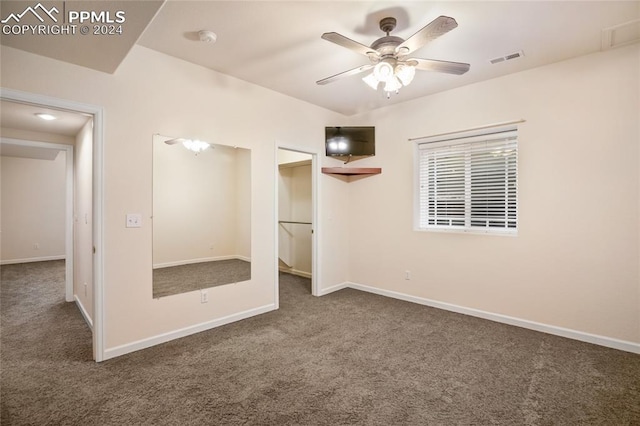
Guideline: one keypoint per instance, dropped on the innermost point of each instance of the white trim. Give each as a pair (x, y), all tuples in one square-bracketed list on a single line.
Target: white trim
[(468, 132), (84, 312), (276, 240), (595, 339), (32, 259), (503, 134), (183, 332), (460, 230), (69, 239), (98, 197), (303, 274), (99, 303), (200, 260), (334, 288), (68, 214)]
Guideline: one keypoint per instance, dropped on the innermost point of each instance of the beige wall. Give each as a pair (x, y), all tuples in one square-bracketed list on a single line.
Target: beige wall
[(153, 93), (574, 263), (83, 220), (33, 209), (36, 136)]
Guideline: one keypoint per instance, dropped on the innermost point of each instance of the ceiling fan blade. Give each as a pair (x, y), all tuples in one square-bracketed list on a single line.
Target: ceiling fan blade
[(457, 68), (354, 71), (439, 26), (343, 41)]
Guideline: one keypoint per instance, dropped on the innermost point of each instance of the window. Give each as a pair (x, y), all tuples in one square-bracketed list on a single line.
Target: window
[(468, 182)]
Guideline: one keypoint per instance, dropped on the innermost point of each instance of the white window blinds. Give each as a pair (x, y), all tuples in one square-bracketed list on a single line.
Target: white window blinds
[(469, 183)]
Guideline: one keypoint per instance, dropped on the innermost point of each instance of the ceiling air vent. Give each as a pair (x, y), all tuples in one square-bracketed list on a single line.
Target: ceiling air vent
[(508, 57), (621, 35)]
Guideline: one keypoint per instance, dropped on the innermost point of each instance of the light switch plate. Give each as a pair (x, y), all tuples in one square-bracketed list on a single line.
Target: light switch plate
[(134, 220)]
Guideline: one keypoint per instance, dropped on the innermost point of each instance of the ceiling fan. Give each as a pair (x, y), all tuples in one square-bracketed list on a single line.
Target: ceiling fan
[(191, 144), (389, 55)]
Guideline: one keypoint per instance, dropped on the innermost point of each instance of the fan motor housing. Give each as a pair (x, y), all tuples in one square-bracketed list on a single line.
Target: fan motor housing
[(387, 45), (387, 24)]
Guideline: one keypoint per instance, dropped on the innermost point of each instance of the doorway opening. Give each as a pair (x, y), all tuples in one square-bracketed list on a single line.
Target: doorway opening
[(296, 230), (37, 202), (75, 132)]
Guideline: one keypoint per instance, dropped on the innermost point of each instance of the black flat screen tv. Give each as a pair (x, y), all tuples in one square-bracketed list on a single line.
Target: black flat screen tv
[(358, 141)]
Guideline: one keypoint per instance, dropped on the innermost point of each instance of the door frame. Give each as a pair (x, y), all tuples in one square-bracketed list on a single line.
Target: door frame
[(98, 197), (315, 226)]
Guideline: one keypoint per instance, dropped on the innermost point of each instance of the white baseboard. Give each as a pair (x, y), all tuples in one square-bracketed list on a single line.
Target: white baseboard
[(187, 331), (84, 312), (325, 291), (199, 260), (609, 342), (32, 259), (292, 271)]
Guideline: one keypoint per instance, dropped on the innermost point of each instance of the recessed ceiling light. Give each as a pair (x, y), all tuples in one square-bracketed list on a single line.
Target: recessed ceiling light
[(45, 116)]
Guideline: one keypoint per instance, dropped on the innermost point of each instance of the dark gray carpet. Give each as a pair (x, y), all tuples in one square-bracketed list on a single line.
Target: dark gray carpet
[(346, 358), (183, 278)]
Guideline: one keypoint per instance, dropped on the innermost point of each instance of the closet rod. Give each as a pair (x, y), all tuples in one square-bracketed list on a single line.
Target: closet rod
[(300, 223)]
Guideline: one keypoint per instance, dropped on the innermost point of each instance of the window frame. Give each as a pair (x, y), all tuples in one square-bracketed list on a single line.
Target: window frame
[(487, 133)]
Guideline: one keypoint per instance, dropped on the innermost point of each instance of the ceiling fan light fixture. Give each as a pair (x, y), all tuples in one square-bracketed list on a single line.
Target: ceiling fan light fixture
[(392, 84), (383, 71), (195, 145), (387, 55), (405, 73), (401, 75), (371, 81)]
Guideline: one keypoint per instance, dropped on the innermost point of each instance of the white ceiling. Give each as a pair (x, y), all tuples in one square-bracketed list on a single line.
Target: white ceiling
[(14, 115), (102, 53), (33, 152), (18, 116), (277, 44)]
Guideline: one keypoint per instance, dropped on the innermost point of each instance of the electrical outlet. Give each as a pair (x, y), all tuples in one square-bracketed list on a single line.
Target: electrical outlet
[(134, 220), (204, 296), (36, 246), (85, 289), (407, 275)]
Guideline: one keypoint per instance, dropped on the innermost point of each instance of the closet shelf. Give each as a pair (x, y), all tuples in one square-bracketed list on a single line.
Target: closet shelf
[(350, 171)]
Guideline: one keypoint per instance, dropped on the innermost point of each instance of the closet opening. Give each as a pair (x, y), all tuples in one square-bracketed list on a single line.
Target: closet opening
[(296, 212)]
